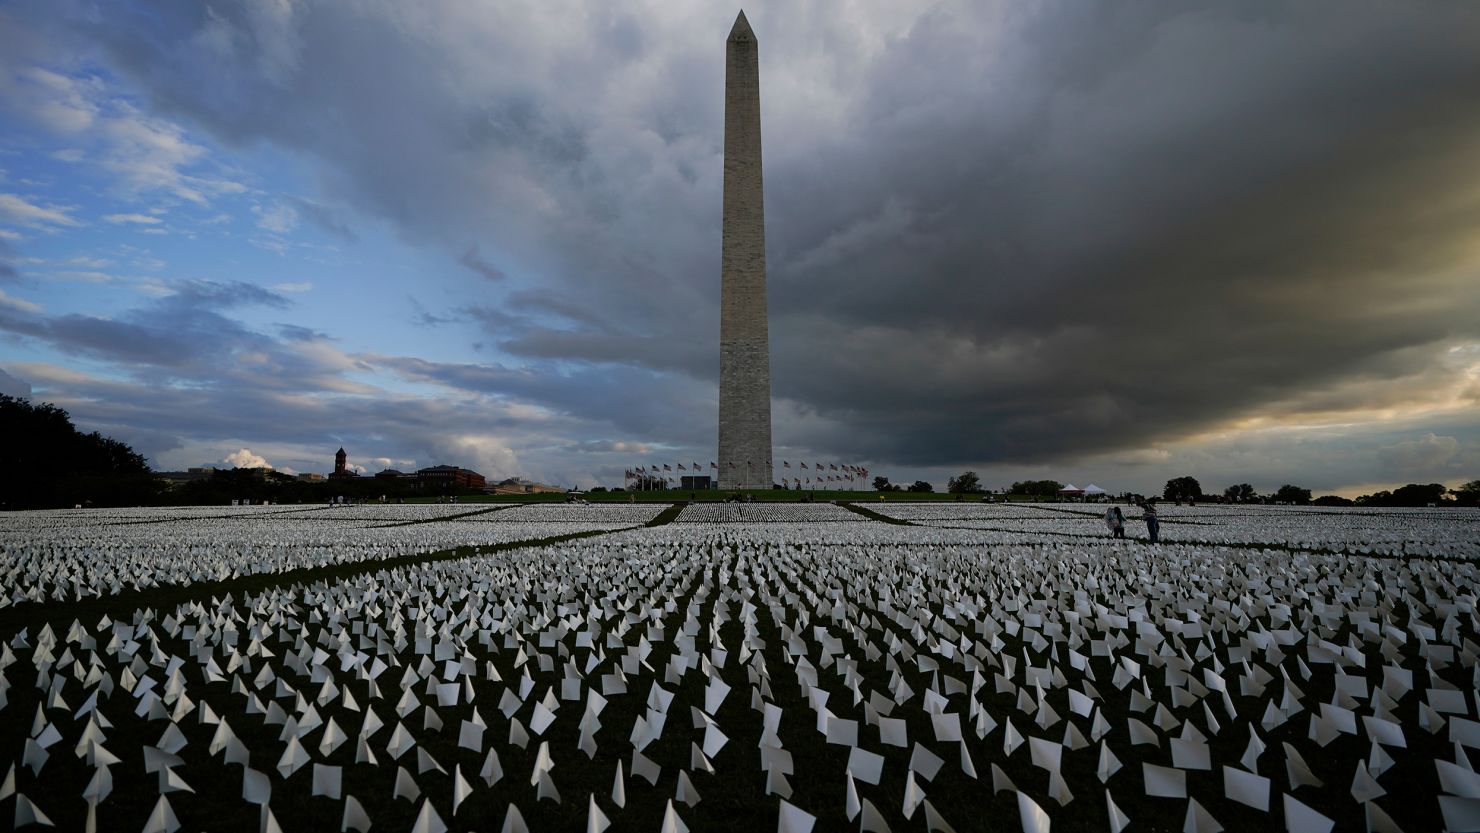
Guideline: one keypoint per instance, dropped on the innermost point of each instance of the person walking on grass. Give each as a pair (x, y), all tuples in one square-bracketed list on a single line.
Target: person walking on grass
[(1153, 524), (1115, 522)]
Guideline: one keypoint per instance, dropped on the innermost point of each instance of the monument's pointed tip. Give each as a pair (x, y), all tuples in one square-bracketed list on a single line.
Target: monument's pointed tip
[(741, 30)]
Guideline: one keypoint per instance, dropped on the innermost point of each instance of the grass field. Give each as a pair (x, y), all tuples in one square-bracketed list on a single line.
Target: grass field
[(982, 655)]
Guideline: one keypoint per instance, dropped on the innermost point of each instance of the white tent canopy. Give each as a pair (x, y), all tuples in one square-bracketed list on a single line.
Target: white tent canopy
[(1092, 489), (1071, 489)]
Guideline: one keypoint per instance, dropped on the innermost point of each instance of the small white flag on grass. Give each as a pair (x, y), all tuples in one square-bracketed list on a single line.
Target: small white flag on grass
[(715, 694), (1118, 819), (1199, 820), (514, 821), (872, 820), (1034, 819), (1364, 787), (671, 821), (355, 818), (26, 812), (493, 768), (541, 719), (461, 789), (1378, 821), (427, 820), (934, 821), (850, 798), (1303, 819), (256, 789), (327, 780), (1108, 764), (793, 819), (685, 793), (1246, 788), (866, 766), (1191, 753), (1298, 771), (645, 768), (1046, 754), (913, 795), (893, 731), (470, 736), (1164, 782), (161, 818), (406, 786), (925, 762), (596, 821)]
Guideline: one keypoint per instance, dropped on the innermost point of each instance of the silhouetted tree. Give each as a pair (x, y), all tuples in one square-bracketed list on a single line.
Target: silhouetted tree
[(882, 484), (1382, 498), (1416, 494), (1240, 493), (1292, 494), (1332, 500), (967, 483), (1468, 494), (1182, 488), (47, 462), (921, 486)]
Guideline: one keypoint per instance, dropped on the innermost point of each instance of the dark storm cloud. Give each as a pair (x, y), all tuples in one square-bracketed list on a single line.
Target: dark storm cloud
[(997, 232), (633, 401), (184, 331)]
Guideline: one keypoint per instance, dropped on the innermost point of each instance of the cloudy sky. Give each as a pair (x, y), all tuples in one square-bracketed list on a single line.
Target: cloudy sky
[(1110, 242)]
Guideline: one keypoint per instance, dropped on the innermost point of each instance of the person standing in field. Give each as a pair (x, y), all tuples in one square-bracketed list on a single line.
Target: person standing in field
[(1115, 521), (1153, 524)]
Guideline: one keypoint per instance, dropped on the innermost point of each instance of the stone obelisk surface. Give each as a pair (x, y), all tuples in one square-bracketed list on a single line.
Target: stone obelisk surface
[(744, 340)]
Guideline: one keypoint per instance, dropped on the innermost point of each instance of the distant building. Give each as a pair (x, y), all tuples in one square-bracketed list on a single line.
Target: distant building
[(392, 474), (518, 486), (341, 465), (441, 477), (311, 477), (179, 478)]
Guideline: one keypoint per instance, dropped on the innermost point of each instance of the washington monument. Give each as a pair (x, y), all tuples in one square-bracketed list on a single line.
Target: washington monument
[(744, 342)]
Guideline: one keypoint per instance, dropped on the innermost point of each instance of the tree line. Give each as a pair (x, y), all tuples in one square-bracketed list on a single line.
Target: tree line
[(1188, 489), (47, 463), (1414, 494)]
